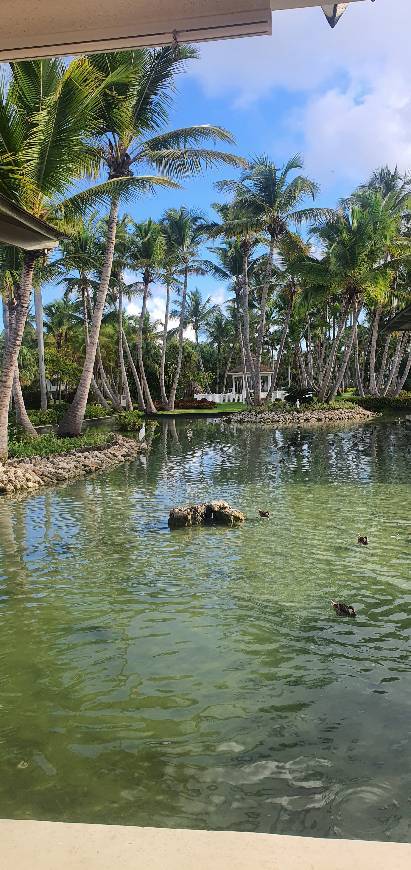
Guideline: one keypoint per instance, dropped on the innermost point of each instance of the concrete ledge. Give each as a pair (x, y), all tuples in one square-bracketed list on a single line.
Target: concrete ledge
[(57, 846)]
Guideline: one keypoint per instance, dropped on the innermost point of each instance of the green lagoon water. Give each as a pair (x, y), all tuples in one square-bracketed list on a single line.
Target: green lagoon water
[(200, 678)]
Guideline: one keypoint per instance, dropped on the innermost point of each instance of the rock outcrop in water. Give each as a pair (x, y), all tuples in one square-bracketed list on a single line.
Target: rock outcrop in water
[(301, 418), (215, 512), (28, 475)]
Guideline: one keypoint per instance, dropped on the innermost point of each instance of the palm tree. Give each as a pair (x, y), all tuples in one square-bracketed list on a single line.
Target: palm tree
[(233, 265), (198, 314), (269, 201), (48, 113), (131, 112), (78, 265), (239, 231), (184, 230), (146, 256), (168, 277), (357, 241), (221, 332)]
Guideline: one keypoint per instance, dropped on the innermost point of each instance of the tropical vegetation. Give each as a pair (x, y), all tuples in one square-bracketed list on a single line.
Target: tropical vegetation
[(309, 291)]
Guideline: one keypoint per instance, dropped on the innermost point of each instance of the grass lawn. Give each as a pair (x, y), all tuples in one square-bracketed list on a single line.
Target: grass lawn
[(225, 408)]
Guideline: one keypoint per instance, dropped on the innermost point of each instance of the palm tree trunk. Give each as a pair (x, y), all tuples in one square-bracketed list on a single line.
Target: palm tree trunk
[(246, 313), (141, 402), (300, 365), (73, 419), (226, 372), (124, 380), (347, 353), (94, 386), (358, 373), (261, 325), (395, 365), (107, 393), (163, 393), (38, 311), (244, 364), (280, 352), (310, 361), (173, 391), (401, 381), (373, 346), (333, 353), (381, 376), (22, 417), (150, 406), (13, 344)]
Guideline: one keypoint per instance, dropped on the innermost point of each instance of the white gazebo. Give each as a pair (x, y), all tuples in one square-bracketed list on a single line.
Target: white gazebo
[(237, 386)]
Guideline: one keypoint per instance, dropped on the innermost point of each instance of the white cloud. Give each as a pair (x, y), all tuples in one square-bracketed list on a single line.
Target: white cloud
[(156, 306), (354, 84)]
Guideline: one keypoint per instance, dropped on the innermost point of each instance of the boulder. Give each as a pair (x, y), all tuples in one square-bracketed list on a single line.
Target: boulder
[(214, 512)]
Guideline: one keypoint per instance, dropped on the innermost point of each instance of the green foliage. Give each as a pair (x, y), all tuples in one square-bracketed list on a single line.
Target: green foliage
[(54, 414), (384, 403), (130, 421), (280, 407), (94, 412), (23, 447)]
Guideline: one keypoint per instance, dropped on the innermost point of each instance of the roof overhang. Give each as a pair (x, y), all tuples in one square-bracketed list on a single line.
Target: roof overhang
[(43, 28), (18, 227), (401, 322)]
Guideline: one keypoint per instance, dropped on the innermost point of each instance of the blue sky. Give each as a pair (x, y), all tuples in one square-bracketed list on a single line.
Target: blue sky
[(340, 97)]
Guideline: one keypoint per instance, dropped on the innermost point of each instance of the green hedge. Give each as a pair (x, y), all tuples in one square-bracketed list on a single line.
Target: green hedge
[(286, 408), (56, 412), (45, 445), (384, 403)]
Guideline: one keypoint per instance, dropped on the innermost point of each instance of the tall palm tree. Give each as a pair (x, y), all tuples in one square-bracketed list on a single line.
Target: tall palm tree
[(238, 228), (184, 231), (198, 314), (146, 256), (131, 113), (233, 265), (169, 278), (271, 201), (221, 332), (47, 115), (79, 265)]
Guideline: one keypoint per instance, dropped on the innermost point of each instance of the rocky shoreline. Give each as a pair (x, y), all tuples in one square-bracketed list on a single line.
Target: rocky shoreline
[(29, 475), (302, 417)]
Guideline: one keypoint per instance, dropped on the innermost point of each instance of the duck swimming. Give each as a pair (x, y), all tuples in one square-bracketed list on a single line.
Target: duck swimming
[(343, 609), (363, 540), (264, 514)]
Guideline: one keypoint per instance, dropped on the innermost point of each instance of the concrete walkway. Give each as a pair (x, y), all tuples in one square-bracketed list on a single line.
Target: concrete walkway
[(55, 846)]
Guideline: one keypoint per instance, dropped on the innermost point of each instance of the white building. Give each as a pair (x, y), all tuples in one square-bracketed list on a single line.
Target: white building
[(236, 386)]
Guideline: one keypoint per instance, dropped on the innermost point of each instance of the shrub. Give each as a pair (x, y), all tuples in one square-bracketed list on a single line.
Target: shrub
[(384, 403), (24, 447), (46, 418), (191, 405), (54, 414), (96, 411), (130, 421)]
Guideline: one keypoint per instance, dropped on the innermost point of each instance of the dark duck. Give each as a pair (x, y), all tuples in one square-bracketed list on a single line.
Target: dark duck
[(264, 514), (363, 540), (343, 609)]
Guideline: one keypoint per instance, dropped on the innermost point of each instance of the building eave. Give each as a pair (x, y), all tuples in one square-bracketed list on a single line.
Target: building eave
[(20, 228), (401, 322)]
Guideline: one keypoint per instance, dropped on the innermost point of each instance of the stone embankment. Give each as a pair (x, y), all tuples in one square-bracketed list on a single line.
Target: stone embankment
[(213, 513), (28, 475), (302, 417)]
